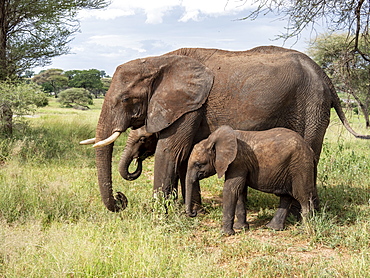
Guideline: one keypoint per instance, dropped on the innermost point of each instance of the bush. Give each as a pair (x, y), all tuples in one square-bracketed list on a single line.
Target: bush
[(75, 97), (18, 99)]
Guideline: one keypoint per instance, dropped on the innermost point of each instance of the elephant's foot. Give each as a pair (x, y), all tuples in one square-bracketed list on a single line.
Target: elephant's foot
[(228, 231), (241, 226), (199, 209), (277, 222), (275, 225)]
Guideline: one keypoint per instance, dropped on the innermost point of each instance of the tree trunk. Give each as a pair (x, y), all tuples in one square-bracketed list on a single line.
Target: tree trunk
[(6, 120), (3, 41)]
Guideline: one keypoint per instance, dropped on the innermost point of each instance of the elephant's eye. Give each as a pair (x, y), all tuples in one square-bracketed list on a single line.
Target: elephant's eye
[(125, 99), (142, 139), (198, 165)]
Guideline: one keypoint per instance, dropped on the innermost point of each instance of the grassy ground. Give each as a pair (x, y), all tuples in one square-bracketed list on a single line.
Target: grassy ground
[(53, 223)]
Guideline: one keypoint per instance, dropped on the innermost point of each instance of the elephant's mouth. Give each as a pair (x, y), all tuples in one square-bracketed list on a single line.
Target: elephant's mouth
[(201, 175), (145, 155)]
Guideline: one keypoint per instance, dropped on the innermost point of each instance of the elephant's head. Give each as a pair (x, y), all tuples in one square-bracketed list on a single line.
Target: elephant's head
[(154, 92), (140, 144), (208, 157)]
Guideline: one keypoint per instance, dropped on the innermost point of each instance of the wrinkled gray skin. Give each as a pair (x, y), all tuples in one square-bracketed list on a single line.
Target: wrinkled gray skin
[(186, 94), (275, 161)]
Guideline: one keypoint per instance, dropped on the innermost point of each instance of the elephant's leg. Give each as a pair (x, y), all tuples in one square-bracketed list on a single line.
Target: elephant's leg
[(305, 190), (241, 211), (165, 174), (278, 221), (233, 188), (296, 209), (173, 149)]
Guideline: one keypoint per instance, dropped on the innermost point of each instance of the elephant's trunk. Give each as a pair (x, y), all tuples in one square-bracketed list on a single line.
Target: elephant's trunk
[(188, 195), (104, 169), (124, 165)]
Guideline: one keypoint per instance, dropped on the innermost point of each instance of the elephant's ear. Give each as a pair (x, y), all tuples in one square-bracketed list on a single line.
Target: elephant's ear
[(182, 85), (225, 144)]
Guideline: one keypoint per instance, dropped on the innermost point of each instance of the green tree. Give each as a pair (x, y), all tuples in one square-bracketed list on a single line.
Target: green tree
[(51, 80), (34, 31), (75, 97), (18, 99), (31, 33), (340, 15), (106, 83), (349, 70), (87, 79)]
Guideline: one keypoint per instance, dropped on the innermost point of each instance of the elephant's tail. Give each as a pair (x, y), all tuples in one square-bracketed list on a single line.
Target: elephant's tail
[(342, 117)]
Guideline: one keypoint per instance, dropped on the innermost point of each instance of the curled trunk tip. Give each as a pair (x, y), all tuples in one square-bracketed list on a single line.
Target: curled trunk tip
[(192, 213), (124, 168)]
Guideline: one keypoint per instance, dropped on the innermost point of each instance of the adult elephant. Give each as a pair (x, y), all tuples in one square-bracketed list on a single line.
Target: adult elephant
[(186, 94)]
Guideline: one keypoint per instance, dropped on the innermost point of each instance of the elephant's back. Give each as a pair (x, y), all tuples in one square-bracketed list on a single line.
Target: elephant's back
[(252, 92)]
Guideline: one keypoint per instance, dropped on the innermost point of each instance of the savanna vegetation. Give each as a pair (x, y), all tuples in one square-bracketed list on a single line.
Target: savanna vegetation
[(53, 223)]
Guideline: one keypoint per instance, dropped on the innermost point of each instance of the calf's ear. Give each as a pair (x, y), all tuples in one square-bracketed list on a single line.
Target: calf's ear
[(225, 145)]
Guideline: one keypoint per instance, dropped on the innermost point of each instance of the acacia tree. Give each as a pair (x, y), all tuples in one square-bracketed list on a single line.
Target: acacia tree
[(31, 33), (339, 15), (52, 80), (349, 71), (87, 79), (34, 31)]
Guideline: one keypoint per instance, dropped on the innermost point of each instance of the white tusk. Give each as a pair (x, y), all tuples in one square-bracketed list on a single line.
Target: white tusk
[(108, 141), (88, 141)]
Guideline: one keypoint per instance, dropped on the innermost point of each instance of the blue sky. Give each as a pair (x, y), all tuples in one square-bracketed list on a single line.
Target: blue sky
[(132, 29)]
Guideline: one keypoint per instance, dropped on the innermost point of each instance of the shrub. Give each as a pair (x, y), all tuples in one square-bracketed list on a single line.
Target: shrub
[(18, 99), (75, 97)]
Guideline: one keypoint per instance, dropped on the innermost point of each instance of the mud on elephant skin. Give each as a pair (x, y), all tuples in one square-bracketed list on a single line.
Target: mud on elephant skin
[(186, 94), (274, 161)]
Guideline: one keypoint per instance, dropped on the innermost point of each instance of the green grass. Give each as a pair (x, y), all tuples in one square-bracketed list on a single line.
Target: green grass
[(53, 223)]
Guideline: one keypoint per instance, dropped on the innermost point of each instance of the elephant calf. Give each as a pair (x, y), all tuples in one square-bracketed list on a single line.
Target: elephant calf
[(275, 161), (140, 144)]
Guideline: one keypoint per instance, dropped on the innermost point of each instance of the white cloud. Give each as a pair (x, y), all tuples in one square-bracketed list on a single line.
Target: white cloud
[(118, 41), (195, 8), (156, 10), (132, 29), (105, 14)]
